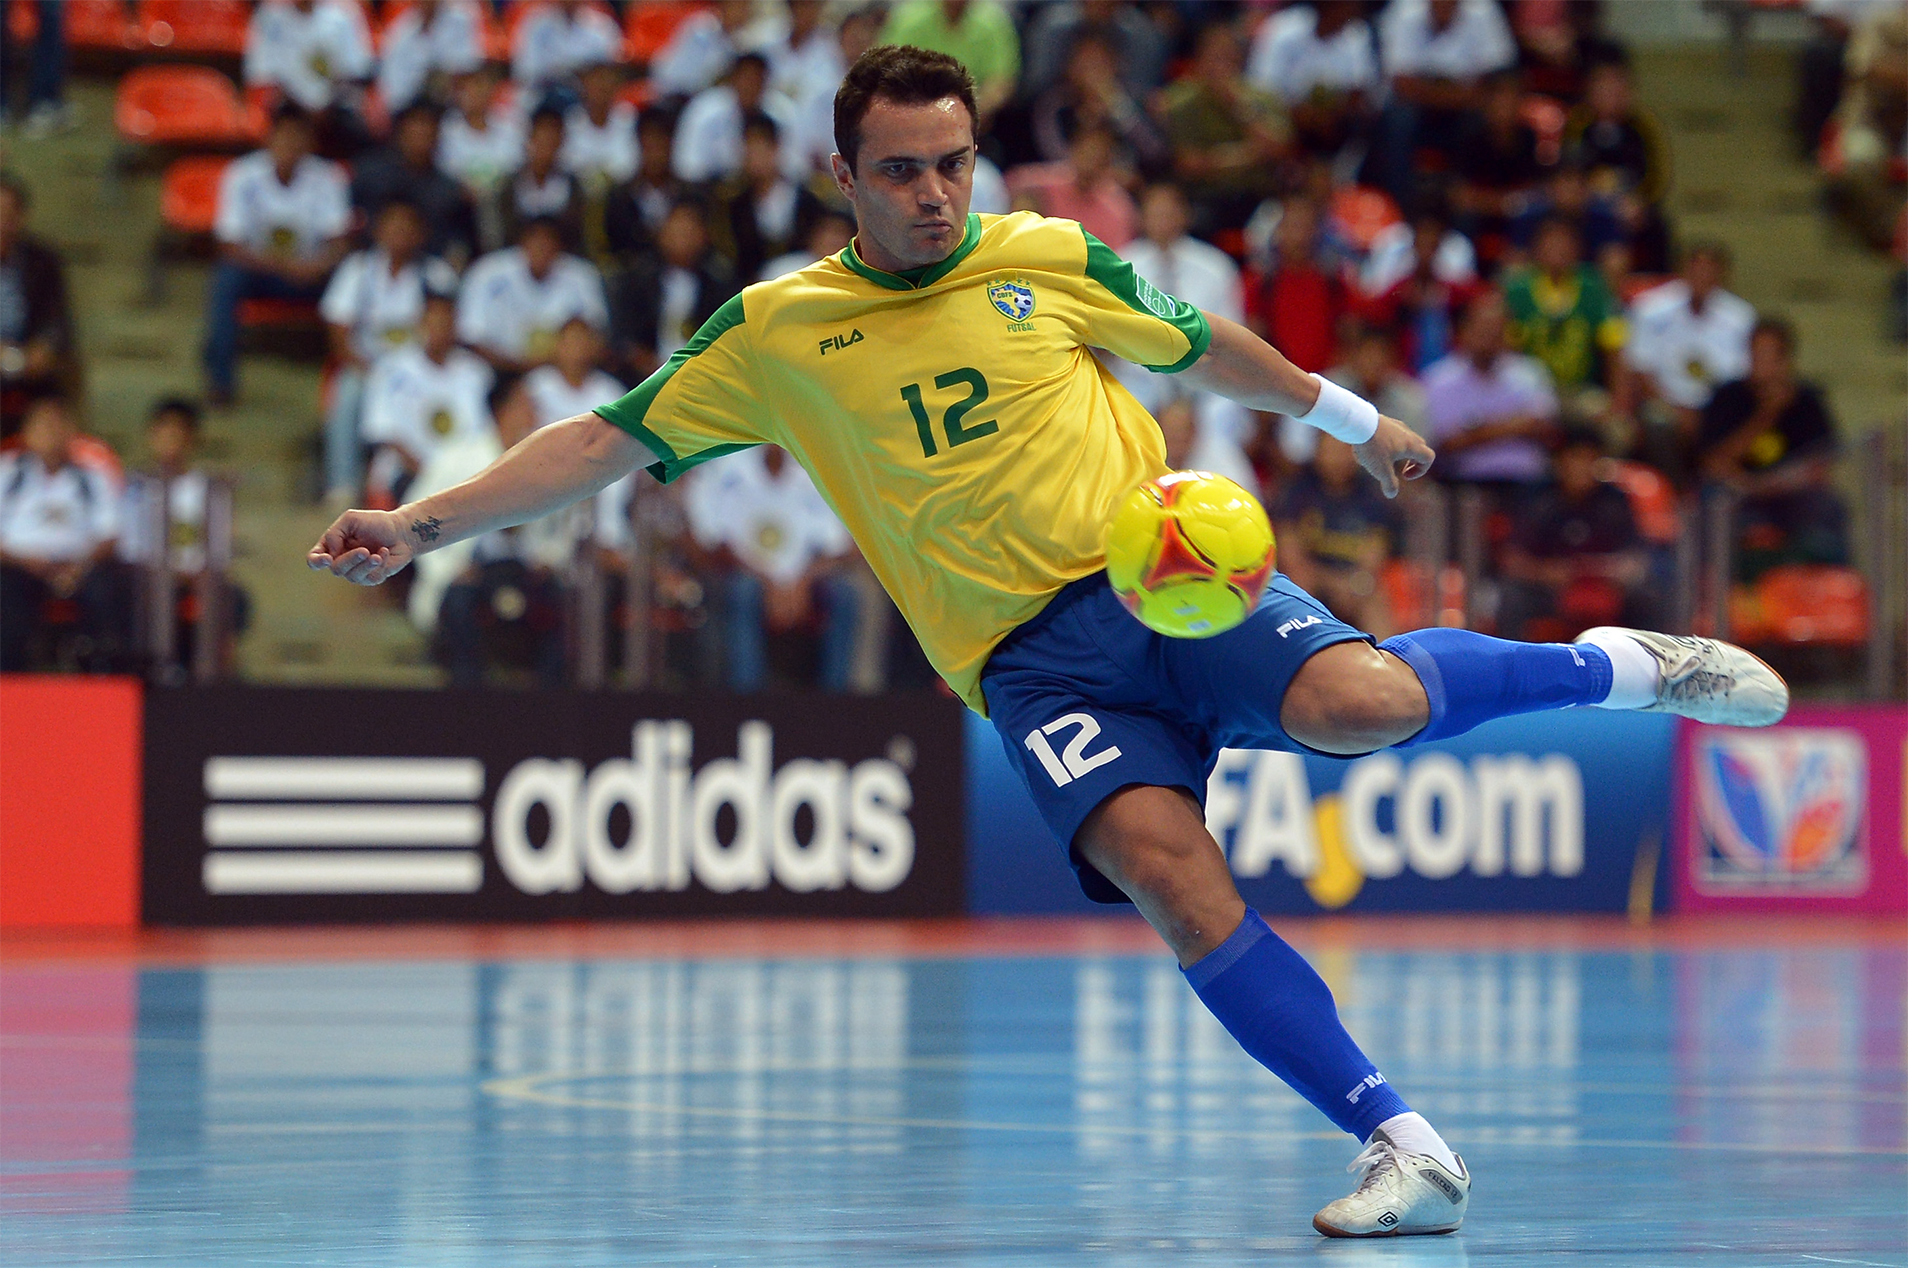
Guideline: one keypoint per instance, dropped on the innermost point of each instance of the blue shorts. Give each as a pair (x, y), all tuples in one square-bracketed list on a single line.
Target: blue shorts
[(1089, 701)]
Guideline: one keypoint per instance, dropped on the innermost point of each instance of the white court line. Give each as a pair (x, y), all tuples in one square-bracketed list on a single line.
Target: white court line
[(344, 873), (343, 825), (345, 778)]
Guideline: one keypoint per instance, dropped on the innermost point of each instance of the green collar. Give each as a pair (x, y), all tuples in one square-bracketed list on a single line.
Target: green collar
[(915, 279)]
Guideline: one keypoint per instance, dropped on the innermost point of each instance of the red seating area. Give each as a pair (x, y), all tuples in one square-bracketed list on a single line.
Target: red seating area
[(1801, 605), (185, 106)]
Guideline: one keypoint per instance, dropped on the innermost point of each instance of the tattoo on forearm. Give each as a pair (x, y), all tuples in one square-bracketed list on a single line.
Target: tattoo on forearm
[(428, 529)]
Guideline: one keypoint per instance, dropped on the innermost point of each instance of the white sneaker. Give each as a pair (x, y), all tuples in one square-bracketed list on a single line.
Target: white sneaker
[(1709, 680), (1400, 1195)]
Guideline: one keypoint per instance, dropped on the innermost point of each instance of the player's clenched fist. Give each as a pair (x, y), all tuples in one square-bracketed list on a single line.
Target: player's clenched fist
[(366, 548), (1394, 450)]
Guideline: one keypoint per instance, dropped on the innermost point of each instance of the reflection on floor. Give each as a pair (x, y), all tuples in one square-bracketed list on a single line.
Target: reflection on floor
[(1054, 1094)]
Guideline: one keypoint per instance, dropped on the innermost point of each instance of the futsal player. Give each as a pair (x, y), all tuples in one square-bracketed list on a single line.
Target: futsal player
[(936, 381)]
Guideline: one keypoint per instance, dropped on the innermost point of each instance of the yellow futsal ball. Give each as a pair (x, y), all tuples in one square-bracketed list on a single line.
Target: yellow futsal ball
[(1189, 553)]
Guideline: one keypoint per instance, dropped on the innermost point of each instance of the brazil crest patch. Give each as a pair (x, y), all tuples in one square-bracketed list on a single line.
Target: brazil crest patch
[(1014, 299)]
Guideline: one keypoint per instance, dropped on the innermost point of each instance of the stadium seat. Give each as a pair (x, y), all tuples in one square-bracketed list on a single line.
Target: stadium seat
[(1361, 213), (183, 105), (648, 26), (1408, 592), (90, 24), (1546, 117), (1813, 604), (1652, 500), (277, 314), (196, 26), (189, 194)]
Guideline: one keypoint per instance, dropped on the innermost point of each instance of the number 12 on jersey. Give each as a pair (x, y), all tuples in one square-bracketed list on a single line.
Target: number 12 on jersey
[(951, 419)]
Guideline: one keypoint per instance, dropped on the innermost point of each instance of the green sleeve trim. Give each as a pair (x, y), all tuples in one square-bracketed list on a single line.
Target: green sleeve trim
[(630, 412), (1110, 271)]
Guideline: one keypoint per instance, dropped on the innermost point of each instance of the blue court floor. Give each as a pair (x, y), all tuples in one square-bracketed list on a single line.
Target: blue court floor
[(1678, 1100)]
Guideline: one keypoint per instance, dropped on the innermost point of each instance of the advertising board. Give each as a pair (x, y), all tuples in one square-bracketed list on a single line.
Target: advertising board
[(267, 806), (1548, 812), (1805, 816)]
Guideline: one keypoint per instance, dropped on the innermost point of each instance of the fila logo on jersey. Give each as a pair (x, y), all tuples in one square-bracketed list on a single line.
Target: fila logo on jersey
[(1073, 761), (835, 343), (1012, 298), (1297, 623)]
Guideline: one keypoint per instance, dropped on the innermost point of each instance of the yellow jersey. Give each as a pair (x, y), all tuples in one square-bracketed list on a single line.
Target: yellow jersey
[(953, 417)]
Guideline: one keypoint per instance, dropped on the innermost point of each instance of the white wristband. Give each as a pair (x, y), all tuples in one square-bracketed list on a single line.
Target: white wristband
[(1345, 415)]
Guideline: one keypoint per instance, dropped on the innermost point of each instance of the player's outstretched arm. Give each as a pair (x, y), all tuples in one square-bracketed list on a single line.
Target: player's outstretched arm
[(1240, 365), (551, 468)]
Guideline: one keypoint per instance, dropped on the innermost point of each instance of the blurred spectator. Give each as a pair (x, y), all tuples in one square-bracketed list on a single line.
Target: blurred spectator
[(1298, 302), (772, 551), (805, 59), (543, 189), (1562, 314), (1180, 430), (515, 300), (556, 38), (1870, 148), (1336, 531), (990, 189), (815, 109), (599, 134), (1496, 166), (1770, 438), (480, 143), (1436, 54), (1227, 136), (702, 49), (37, 349), (315, 53), (663, 299), (980, 33), (1321, 61), (1558, 40), (1488, 411), (1092, 95), (44, 74), (425, 45), (1138, 47), (1620, 146), (1436, 279), (636, 209), (1575, 558), (1371, 369), (407, 169), (1566, 193), (830, 232), (574, 382), (1686, 337), (420, 397), (59, 522), (709, 134), (373, 304), (759, 213), (282, 220), (1085, 187)]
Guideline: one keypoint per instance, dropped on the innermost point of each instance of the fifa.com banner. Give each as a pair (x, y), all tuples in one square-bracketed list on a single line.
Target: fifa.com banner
[(1805, 816), (1548, 812), (267, 806)]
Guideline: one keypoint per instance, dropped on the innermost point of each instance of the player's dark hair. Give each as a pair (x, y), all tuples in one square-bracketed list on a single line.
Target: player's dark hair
[(903, 74), (1778, 328), (185, 409), (545, 114)]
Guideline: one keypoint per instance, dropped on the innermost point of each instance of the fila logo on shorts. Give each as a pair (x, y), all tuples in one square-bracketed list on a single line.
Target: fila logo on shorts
[(1372, 1080), (1073, 761)]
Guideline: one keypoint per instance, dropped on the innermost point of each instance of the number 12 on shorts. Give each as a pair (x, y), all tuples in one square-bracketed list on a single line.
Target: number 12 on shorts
[(1073, 761)]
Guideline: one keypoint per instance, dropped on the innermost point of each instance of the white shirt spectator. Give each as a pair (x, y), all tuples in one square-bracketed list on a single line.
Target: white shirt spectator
[(709, 136), (419, 404), (1460, 397), (802, 72), (57, 517), (294, 219), (1477, 42), (609, 154), (381, 307), (1394, 256), (481, 157), (554, 399), (307, 56), (698, 53), (1689, 353), (1289, 58), (184, 529), (777, 525), (452, 44), (554, 42), (505, 309)]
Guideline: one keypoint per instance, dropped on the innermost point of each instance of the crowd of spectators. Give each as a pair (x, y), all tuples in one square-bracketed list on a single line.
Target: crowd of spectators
[(1455, 207)]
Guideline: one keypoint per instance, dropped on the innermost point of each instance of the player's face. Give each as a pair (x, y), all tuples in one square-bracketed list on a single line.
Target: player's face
[(912, 183)]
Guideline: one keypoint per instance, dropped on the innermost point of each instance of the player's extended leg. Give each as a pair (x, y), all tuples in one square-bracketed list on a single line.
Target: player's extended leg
[(1152, 842)]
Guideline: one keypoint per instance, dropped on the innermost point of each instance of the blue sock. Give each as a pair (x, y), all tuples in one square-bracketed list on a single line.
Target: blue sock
[(1472, 678), (1282, 1014)]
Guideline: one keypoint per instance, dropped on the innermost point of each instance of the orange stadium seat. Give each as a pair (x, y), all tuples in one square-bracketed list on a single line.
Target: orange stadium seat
[(1814, 604), (183, 105), (1362, 212), (649, 24), (1652, 500), (90, 24), (196, 26), (189, 194)]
